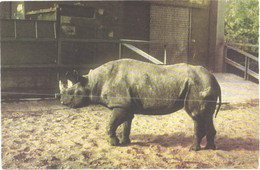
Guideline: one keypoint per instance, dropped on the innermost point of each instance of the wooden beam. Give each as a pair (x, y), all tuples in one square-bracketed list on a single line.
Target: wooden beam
[(234, 64), (27, 40), (253, 74), (243, 53), (242, 68), (142, 53), (48, 66)]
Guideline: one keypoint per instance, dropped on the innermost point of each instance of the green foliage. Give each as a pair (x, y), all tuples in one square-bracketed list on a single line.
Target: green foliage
[(241, 22)]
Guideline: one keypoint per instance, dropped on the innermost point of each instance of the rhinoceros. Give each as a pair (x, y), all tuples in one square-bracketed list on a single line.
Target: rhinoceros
[(129, 87)]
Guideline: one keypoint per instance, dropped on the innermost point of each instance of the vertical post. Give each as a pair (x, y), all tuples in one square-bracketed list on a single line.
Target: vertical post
[(189, 38), (225, 56), (58, 34), (216, 35), (59, 44), (54, 30), (164, 55), (15, 29), (120, 50), (36, 29), (246, 68)]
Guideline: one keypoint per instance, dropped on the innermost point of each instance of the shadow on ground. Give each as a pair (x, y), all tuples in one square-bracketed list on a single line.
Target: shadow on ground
[(181, 139)]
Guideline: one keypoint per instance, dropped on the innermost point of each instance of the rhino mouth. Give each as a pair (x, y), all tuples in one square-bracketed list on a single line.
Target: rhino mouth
[(74, 106)]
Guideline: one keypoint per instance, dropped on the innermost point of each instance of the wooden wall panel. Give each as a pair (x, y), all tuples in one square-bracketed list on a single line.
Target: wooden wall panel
[(21, 53), (28, 83)]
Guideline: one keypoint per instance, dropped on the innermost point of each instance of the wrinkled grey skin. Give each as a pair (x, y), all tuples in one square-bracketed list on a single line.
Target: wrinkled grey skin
[(131, 87)]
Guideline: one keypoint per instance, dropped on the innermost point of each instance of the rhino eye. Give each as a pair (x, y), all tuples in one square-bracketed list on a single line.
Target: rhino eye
[(78, 93), (70, 92)]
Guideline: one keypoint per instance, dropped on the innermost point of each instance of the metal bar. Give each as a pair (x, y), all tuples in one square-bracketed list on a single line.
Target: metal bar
[(135, 41), (142, 53), (36, 29), (164, 55), (225, 56), (243, 52), (57, 89), (15, 29), (55, 33), (105, 40), (48, 66), (246, 68), (120, 51), (243, 45), (253, 74), (2, 19), (89, 40), (27, 39), (28, 66), (189, 36), (58, 29), (234, 64)]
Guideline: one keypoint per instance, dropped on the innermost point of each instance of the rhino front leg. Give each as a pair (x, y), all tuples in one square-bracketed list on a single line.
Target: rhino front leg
[(119, 115), (127, 129)]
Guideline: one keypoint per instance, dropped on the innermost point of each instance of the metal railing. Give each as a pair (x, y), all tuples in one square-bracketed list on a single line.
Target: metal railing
[(14, 36), (17, 24), (245, 66), (128, 43)]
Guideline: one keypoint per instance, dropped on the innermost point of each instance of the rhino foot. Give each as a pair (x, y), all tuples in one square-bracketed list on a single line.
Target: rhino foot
[(125, 141), (213, 147), (195, 148), (114, 141)]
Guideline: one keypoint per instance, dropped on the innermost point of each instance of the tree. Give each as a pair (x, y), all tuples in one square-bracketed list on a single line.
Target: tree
[(242, 23)]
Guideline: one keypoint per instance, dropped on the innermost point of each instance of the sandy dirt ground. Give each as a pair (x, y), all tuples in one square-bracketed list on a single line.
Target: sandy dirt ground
[(45, 134)]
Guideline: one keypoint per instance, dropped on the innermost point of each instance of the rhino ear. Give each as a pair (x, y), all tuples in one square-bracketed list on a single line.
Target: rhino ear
[(75, 76), (83, 80), (70, 84), (61, 86), (72, 75)]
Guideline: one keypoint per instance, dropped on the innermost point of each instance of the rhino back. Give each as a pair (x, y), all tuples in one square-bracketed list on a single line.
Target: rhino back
[(130, 83)]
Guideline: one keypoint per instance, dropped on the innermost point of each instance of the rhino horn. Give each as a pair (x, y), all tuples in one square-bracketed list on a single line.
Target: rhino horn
[(61, 86), (70, 84)]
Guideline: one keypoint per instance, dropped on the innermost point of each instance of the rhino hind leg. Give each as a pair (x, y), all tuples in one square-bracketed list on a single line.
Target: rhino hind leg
[(210, 136), (119, 116), (199, 133), (211, 131), (209, 113), (204, 127), (203, 122)]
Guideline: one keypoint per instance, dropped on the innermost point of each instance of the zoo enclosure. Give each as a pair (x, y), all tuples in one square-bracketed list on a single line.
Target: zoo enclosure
[(36, 33), (35, 50)]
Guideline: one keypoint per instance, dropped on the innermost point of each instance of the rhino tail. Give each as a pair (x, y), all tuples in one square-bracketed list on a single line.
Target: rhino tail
[(219, 98)]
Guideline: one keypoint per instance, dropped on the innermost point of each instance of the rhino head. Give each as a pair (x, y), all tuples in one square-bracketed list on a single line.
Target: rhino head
[(73, 92)]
